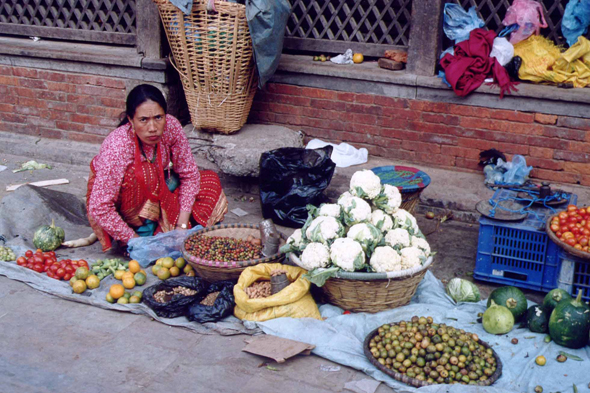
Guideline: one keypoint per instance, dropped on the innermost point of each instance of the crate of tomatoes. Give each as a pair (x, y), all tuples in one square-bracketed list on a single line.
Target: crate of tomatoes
[(47, 262)]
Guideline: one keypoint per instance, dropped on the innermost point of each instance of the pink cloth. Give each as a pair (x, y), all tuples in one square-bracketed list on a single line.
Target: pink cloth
[(117, 152)]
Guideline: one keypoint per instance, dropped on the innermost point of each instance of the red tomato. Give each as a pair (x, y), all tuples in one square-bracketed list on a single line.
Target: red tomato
[(60, 272), (565, 229), (555, 228), (575, 230), (82, 262), (62, 264), (577, 247), (21, 261), (571, 241), (38, 268), (572, 208), (562, 221), (582, 211), (585, 248), (563, 216), (586, 232), (38, 259), (74, 263), (68, 276), (52, 253), (583, 241), (28, 253), (558, 234), (568, 235), (70, 269)]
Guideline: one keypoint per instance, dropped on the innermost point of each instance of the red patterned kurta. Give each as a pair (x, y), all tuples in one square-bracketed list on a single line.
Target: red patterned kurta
[(115, 166)]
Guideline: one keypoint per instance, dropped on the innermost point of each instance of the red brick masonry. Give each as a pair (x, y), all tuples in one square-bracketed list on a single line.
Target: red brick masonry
[(60, 105), (85, 108), (427, 132)]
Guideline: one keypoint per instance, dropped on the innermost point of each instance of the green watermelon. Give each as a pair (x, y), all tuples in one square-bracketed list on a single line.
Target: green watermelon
[(512, 298), (554, 297), (569, 323), (537, 319), (48, 237)]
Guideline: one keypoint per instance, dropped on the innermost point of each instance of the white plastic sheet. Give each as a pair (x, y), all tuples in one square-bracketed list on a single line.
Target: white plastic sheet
[(343, 155)]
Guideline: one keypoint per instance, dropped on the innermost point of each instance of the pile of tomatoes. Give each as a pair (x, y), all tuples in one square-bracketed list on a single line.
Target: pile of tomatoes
[(46, 262), (573, 227)]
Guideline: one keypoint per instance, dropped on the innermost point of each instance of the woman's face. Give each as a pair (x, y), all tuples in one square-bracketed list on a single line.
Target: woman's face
[(149, 122)]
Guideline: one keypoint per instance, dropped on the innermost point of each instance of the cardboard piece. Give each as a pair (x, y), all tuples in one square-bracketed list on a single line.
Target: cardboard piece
[(276, 348), (43, 183), (390, 64)]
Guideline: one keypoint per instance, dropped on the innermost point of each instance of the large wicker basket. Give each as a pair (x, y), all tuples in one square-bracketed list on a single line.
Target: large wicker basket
[(213, 55), (372, 292), (215, 270)]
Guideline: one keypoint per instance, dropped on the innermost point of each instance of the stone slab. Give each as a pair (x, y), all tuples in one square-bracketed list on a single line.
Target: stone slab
[(239, 154)]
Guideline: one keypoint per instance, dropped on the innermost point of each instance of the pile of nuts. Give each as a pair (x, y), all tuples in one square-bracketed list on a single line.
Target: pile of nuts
[(259, 289), (210, 299), (277, 272), (161, 296), (224, 249)]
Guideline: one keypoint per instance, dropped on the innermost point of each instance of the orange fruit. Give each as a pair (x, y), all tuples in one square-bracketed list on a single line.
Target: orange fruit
[(174, 271), (116, 291), (92, 282), (358, 58), (127, 275), (129, 282), (163, 273), (79, 286), (134, 266), (143, 272), (119, 274)]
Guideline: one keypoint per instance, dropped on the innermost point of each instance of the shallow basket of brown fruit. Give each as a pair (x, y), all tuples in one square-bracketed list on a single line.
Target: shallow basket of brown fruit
[(222, 252), (421, 352)]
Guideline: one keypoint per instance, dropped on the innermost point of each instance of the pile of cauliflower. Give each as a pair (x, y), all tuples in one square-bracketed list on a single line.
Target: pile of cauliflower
[(364, 231)]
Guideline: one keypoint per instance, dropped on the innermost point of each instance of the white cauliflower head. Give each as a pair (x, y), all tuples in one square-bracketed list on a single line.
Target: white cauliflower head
[(421, 244), (397, 237), (344, 199), (315, 255), (294, 242), (366, 234), (347, 254), (330, 209), (356, 210), (390, 199), (411, 257), (385, 259), (381, 220), (324, 229), (365, 184), (403, 219)]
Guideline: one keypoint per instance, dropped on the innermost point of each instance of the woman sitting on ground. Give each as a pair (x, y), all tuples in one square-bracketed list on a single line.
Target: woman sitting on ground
[(145, 180)]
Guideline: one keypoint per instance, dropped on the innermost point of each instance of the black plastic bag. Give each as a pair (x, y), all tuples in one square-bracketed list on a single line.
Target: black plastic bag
[(223, 306), (178, 305), (290, 179)]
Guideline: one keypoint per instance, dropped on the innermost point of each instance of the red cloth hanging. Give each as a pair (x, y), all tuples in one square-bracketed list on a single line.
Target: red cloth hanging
[(471, 64)]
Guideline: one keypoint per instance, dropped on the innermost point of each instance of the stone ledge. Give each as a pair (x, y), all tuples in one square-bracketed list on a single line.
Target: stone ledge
[(79, 52), (302, 71)]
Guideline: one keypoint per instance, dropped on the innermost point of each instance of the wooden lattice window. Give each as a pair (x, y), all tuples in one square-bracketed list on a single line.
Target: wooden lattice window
[(332, 26), (493, 12), (110, 21)]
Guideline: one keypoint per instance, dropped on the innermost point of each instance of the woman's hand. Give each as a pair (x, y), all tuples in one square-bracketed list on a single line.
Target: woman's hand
[(183, 218)]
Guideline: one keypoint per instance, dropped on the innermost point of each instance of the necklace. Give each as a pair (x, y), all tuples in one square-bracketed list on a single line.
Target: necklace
[(143, 153)]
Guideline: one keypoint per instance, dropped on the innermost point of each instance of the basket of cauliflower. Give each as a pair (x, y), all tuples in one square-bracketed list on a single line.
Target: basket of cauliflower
[(364, 252)]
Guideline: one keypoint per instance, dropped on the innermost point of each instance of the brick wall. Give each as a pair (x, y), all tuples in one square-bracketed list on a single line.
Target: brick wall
[(434, 133), (60, 105)]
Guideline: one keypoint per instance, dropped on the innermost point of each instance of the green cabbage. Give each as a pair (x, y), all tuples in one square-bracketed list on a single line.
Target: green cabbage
[(463, 291)]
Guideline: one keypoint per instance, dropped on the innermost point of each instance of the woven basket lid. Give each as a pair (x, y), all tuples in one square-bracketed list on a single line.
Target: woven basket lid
[(406, 178)]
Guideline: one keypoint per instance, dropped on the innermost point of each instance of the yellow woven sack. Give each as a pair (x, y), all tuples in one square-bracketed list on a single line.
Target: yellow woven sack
[(294, 301), (542, 61)]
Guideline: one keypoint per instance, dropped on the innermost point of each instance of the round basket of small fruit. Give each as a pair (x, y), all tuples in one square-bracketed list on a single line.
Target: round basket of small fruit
[(570, 229), (222, 252)]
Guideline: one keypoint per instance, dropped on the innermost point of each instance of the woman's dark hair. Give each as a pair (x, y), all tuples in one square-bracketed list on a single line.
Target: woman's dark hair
[(138, 96)]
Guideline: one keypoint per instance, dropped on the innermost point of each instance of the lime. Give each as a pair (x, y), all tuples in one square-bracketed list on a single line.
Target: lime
[(139, 278), (180, 263), (123, 300), (139, 294), (134, 299)]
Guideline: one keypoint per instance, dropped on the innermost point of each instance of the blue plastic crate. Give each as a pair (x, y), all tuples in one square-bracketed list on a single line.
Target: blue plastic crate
[(574, 274), (518, 253)]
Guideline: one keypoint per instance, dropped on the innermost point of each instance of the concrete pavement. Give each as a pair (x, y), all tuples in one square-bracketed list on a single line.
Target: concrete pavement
[(52, 345)]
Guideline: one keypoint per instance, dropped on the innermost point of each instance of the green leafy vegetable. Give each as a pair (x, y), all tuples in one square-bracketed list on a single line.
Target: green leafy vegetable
[(319, 276)]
